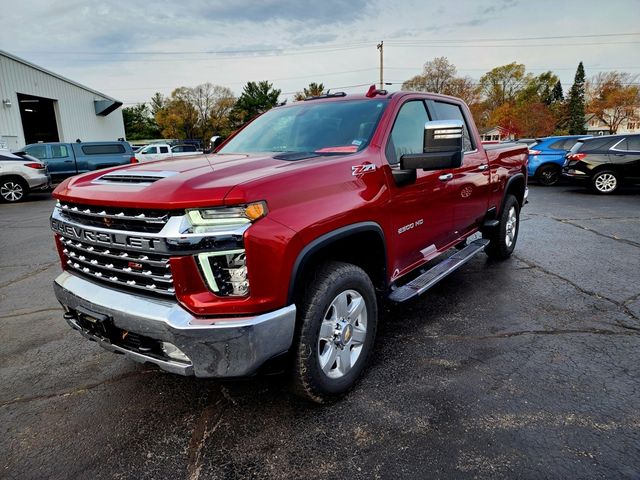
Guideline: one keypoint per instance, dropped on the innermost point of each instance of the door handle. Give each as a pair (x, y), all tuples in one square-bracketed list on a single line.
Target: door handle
[(446, 177), (68, 161), (483, 167)]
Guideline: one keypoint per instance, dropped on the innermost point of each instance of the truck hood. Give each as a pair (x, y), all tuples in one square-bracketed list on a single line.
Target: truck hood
[(196, 181)]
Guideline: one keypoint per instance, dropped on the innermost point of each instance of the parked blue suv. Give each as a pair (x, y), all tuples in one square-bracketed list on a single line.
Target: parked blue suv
[(547, 155)]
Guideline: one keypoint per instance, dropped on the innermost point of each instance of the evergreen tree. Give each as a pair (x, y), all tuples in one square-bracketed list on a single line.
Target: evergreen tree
[(557, 95), (256, 98), (575, 103)]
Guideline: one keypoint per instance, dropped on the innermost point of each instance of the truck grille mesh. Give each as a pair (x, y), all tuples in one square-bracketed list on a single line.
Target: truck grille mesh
[(149, 221), (136, 271)]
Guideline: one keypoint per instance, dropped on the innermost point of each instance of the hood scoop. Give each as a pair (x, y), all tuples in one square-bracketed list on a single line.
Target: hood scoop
[(132, 177)]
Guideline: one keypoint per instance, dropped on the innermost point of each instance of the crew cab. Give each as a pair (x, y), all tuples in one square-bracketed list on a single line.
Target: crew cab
[(283, 245), (161, 151), (65, 160)]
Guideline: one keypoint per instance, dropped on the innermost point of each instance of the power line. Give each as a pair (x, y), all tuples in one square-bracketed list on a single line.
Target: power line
[(514, 38)]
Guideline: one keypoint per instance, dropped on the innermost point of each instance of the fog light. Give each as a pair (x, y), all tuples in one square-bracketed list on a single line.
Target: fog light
[(171, 351), (225, 272)]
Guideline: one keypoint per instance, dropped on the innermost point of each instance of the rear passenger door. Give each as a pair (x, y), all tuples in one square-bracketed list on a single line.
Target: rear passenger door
[(469, 187)]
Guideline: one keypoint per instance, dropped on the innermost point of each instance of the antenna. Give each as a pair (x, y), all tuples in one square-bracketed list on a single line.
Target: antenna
[(380, 47)]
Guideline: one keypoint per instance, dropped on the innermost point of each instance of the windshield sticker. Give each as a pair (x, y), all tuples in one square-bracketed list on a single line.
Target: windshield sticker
[(357, 142)]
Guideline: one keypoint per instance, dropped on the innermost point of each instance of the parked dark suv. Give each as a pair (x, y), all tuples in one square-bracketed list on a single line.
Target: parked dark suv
[(605, 162)]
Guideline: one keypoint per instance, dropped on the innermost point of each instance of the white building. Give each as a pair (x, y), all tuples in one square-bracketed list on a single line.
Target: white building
[(37, 105), (595, 126)]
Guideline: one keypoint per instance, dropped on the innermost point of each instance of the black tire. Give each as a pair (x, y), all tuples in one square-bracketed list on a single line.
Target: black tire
[(548, 175), (502, 240), (605, 182), (13, 189), (331, 281)]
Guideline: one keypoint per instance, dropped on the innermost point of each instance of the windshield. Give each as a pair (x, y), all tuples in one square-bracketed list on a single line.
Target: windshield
[(321, 128)]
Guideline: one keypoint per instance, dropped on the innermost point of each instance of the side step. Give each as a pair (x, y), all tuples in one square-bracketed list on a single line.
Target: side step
[(432, 276)]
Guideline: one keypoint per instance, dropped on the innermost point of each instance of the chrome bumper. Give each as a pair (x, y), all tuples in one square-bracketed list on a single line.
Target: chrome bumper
[(232, 347)]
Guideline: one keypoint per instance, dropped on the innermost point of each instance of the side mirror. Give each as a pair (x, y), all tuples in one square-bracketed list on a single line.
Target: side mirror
[(442, 147)]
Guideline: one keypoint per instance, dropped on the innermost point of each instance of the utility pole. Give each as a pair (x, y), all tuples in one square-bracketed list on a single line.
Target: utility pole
[(381, 48)]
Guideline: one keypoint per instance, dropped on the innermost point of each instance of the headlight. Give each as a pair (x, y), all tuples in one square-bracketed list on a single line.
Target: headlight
[(203, 220), (225, 272)]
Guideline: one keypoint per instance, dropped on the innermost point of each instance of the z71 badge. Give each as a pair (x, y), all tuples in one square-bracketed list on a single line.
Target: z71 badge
[(362, 169)]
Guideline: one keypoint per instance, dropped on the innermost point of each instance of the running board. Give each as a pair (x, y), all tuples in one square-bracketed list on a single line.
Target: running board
[(432, 276)]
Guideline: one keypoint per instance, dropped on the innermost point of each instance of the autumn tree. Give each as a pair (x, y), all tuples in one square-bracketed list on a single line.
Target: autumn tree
[(178, 118), (313, 90), (576, 103), (613, 98), (256, 98)]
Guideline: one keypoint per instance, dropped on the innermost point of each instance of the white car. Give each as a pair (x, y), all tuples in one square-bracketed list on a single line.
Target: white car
[(161, 151), (19, 174)]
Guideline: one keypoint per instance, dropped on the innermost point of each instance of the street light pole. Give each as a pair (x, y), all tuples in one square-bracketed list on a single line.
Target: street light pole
[(380, 47)]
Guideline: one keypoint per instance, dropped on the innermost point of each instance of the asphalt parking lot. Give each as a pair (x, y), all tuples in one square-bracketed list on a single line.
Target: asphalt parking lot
[(522, 369)]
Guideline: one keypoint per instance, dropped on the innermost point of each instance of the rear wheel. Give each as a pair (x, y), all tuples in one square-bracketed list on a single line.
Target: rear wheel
[(338, 320), (503, 239), (548, 175), (605, 182), (13, 189)]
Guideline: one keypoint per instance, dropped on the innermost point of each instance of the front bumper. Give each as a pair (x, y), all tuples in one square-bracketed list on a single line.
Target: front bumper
[(219, 347)]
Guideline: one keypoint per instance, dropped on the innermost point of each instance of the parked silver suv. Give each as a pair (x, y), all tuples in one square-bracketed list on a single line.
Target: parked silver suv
[(19, 174)]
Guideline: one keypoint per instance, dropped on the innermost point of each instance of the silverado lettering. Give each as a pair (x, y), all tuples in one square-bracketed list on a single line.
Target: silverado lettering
[(283, 244)]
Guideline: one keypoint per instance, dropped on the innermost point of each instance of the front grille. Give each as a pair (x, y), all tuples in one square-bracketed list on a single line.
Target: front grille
[(142, 272), (127, 219)]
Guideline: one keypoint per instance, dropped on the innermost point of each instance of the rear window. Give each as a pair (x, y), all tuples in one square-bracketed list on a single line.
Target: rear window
[(106, 149)]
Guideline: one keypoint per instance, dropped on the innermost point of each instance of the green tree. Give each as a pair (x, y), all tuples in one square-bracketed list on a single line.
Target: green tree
[(576, 104), (139, 124), (313, 90), (557, 95), (502, 84), (538, 89), (256, 98)]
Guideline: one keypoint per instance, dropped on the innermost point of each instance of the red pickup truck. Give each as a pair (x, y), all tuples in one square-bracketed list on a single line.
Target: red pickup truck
[(284, 243)]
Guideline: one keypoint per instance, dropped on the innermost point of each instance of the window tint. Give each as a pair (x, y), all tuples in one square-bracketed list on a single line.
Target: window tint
[(107, 148), (59, 151), (407, 135), (597, 144), (449, 111), (164, 149), (149, 150), (38, 151), (634, 143), (620, 145), (557, 145)]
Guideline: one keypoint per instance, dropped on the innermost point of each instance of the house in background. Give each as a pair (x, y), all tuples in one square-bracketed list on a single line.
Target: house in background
[(595, 126), (495, 134)]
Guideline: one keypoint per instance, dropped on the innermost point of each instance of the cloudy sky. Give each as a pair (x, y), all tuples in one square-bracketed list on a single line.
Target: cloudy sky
[(130, 50)]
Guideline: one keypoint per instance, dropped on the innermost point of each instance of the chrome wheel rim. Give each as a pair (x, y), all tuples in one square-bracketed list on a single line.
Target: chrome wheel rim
[(606, 182), (511, 227), (11, 191), (342, 334)]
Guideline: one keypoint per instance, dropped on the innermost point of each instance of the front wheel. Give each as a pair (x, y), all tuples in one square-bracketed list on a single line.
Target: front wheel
[(503, 239), (605, 182), (337, 326)]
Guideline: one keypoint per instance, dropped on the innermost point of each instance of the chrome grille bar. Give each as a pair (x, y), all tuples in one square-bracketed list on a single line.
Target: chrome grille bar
[(102, 214), (112, 254)]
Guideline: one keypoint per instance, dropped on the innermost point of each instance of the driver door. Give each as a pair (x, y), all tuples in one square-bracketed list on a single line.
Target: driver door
[(421, 216)]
